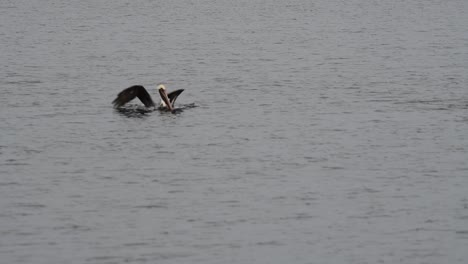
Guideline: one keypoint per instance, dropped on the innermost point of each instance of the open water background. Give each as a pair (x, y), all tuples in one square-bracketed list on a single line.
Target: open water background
[(324, 132)]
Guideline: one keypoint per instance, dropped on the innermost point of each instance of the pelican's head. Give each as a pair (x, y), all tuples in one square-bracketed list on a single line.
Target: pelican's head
[(165, 99), (161, 87)]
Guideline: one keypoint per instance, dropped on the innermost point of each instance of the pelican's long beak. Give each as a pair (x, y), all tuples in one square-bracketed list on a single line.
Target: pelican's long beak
[(162, 93)]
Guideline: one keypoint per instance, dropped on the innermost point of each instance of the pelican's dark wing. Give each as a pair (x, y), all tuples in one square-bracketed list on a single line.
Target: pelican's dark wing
[(130, 93), (173, 96)]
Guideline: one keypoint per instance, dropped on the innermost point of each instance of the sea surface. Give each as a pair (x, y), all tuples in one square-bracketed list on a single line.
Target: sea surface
[(323, 131)]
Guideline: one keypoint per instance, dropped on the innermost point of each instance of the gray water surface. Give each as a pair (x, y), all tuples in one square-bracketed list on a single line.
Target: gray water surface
[(323, 132)]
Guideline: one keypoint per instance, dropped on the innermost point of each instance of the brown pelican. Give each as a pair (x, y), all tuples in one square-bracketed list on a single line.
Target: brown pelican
[(167, 100)]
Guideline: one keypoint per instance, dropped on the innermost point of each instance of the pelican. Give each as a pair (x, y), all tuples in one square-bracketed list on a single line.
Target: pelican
[(167, 100)]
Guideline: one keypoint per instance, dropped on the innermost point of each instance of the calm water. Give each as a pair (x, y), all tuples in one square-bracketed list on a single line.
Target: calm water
[(323, 132)]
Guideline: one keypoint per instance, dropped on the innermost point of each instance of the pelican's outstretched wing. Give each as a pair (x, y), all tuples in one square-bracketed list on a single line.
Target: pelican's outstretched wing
[(173, 96), (130, 93)]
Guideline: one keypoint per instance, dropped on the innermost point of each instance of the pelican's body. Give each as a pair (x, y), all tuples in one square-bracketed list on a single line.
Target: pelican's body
[(167, 100)]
